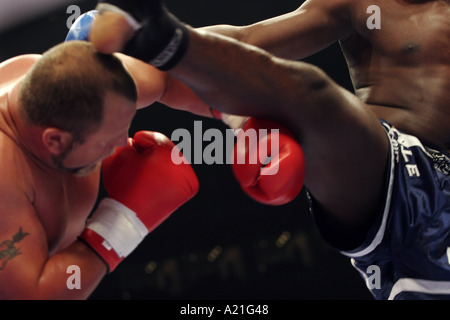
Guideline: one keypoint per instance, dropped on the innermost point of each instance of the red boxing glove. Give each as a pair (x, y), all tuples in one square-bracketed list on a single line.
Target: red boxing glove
[(145, 187), (281, 179)]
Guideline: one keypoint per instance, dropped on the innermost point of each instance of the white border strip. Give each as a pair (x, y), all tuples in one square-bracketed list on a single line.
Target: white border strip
[(418, 285), (380, 234)]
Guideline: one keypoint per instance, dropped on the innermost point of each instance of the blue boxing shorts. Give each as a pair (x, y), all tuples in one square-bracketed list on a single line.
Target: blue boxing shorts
[(406, 254)]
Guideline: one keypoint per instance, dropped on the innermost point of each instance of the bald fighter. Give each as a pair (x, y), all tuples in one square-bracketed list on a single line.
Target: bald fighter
[(376, 163)]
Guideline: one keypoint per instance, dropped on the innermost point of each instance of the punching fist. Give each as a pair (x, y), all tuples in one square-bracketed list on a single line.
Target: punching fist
[(144, 187), (271, 171), (143, 29)]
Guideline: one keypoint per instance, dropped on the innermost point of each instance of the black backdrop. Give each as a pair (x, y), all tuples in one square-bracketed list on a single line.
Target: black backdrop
[(221, 245)]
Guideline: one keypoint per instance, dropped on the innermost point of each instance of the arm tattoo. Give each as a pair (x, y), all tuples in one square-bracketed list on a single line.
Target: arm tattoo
[(8, 250)]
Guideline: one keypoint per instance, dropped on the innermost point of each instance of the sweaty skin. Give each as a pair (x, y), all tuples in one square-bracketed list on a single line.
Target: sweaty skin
[(44, 208)]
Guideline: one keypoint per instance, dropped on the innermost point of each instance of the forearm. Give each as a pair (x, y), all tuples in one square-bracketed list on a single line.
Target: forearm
[(231, 31), (55, 280), (157, 86), (178, 95), (55, 277)]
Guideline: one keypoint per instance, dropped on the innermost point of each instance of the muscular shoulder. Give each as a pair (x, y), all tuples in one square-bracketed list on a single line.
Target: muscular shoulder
[(330, 16), (14, 68), (14, 168)]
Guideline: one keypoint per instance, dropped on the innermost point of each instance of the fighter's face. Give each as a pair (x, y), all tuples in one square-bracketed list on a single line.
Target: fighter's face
[(83, 158)]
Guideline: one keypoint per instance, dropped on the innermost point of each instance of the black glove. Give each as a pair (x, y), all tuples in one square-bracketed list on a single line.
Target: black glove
[(160, 38)]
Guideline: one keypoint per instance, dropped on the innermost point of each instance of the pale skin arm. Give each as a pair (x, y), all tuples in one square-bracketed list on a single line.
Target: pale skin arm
[(27, 270), (154, 85)]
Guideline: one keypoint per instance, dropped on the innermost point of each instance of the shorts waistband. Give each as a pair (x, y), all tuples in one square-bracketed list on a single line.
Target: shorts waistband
[(440, 158)]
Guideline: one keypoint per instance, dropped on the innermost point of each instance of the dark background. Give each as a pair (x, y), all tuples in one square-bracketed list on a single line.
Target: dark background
[(222, 244)]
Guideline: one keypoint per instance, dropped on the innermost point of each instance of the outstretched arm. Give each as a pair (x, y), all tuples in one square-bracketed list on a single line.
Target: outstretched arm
[(156, 86), (315, 25)]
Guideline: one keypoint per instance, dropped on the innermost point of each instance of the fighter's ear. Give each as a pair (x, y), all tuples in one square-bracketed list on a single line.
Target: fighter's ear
[(56, 140)]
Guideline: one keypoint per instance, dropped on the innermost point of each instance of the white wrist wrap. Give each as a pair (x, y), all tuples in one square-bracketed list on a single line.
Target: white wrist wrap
[(118, 226)]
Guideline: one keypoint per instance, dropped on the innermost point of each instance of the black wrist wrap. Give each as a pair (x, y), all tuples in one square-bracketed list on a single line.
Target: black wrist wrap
[(162, 39)]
